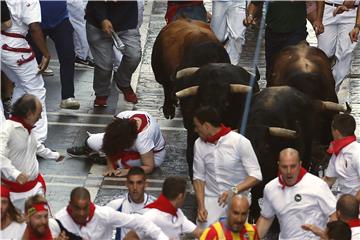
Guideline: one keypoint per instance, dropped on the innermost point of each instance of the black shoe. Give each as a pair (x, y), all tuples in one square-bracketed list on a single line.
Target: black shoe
[(82, 151), (87, 63)]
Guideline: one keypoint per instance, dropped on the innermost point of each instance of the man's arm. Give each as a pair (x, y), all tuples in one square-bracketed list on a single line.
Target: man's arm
[(197, 232), (147, 161), (317, 24), (199, 187), (263, 225), (39, 40), (329, 180), (357, 195), (252, 11), (354, 34)]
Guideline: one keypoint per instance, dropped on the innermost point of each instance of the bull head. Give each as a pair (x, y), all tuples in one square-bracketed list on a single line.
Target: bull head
[(191, 91)]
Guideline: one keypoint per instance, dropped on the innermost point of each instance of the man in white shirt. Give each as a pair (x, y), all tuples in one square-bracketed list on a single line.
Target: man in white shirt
[(134, 200), (12, 222), (18, 151), (83, 219), (224, 164), (39, 225), (295, 198), (347, 210), (133, 138), (344, 164), (165, 211), (18, 60)]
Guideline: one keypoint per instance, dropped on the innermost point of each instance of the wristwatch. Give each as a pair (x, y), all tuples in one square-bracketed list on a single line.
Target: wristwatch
[(234, 190)]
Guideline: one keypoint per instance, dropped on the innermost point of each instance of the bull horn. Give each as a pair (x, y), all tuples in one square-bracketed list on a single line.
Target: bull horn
[(190, 91), (282, 132), (239, 88), (334, 106), (186, 72)]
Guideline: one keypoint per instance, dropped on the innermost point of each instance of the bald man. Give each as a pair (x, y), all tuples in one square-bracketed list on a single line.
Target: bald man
[(234, 226), (347, 210), (295, 197)]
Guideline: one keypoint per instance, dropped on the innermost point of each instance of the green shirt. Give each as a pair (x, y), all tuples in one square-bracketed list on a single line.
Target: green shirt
[(286, 16)]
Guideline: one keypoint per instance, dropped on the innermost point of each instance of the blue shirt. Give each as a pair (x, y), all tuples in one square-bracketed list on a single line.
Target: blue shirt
[(53, 13)]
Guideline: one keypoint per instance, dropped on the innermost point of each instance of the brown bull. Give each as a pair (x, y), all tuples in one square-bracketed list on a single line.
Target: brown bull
[(180, 44)]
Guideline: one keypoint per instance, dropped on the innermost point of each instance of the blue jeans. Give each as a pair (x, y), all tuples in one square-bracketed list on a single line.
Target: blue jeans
[(275, 42), (62, 35)]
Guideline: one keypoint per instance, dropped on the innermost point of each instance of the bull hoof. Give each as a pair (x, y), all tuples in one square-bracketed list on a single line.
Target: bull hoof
[(169, 111)]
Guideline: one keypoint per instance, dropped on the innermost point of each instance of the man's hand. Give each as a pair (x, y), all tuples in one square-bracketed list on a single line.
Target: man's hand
[(249, 20), (62, 236), (318, 26), (116, 172), (107, 26), (224, 197), (202, 214), (60, 158), (44, 64), (354, 34), (349, 3), (22, 178), (340, 9)]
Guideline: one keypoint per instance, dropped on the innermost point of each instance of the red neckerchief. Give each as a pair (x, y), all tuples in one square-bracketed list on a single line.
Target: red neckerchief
[(91, 213), (163, 204), (29, 234), (300, 176), (337, 145), (21, 120), (125, 156), (144, 121), (222, 132), (354, 223)]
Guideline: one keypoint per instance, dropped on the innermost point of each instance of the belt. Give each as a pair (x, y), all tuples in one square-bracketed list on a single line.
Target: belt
[(337, 5), (20, 50), (14, 35)]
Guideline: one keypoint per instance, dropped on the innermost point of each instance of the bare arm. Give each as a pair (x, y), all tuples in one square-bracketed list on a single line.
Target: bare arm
[(39, 40), (318, 25), (315, 230), (329, 180), (197, 232), (263, 225), (199, 187), (355, 32), (131, 235), (252, 10)]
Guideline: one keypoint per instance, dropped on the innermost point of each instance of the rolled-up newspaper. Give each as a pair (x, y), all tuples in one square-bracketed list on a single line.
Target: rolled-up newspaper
[(117, 42)]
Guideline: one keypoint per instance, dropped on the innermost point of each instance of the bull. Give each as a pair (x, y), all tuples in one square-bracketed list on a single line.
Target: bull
[(282, 117), (220, 85), (307, 69), (181, 44)]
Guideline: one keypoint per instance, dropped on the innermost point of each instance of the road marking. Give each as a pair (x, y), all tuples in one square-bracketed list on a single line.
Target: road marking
[(73, 185), (64, 176), (72, 114), (104, 125)]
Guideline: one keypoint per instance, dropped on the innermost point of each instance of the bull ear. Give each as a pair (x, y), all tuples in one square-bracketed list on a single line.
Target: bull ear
[(239, 88), (282, 132), (190, 91), (186, 72)]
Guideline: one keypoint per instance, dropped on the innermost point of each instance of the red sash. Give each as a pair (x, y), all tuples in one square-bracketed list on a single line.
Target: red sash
[(354, 223), (18, 188), (163, 204), (337, 145), (300, 176)]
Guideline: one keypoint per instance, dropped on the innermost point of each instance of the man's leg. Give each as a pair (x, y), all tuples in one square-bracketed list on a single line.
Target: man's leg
[(101, 48), (218, 21)]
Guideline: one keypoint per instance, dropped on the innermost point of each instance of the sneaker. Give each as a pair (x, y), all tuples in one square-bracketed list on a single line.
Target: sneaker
[(129, 95), (100, 101), (48, 72), (79, 151), (87, 63), (69, 103)]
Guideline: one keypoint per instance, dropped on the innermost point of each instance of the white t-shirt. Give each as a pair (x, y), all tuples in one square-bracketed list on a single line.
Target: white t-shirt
[(13, 231), (225, 164), (23, 13), (172, 226), (346, 168), (355, 230), (125, 205), (105, 219), (310, 201)]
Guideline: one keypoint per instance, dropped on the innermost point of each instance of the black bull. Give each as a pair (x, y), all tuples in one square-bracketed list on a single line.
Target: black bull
[(282, 117), (220, 85)]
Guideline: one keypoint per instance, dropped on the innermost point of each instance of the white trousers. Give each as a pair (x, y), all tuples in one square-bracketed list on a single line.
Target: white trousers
[(335, 41), (76, 9), (95, 143), (26, 80), (227, 22), (214, 211)]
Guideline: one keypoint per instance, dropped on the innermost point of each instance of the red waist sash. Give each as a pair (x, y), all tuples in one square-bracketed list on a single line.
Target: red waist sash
[(17, 187)]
